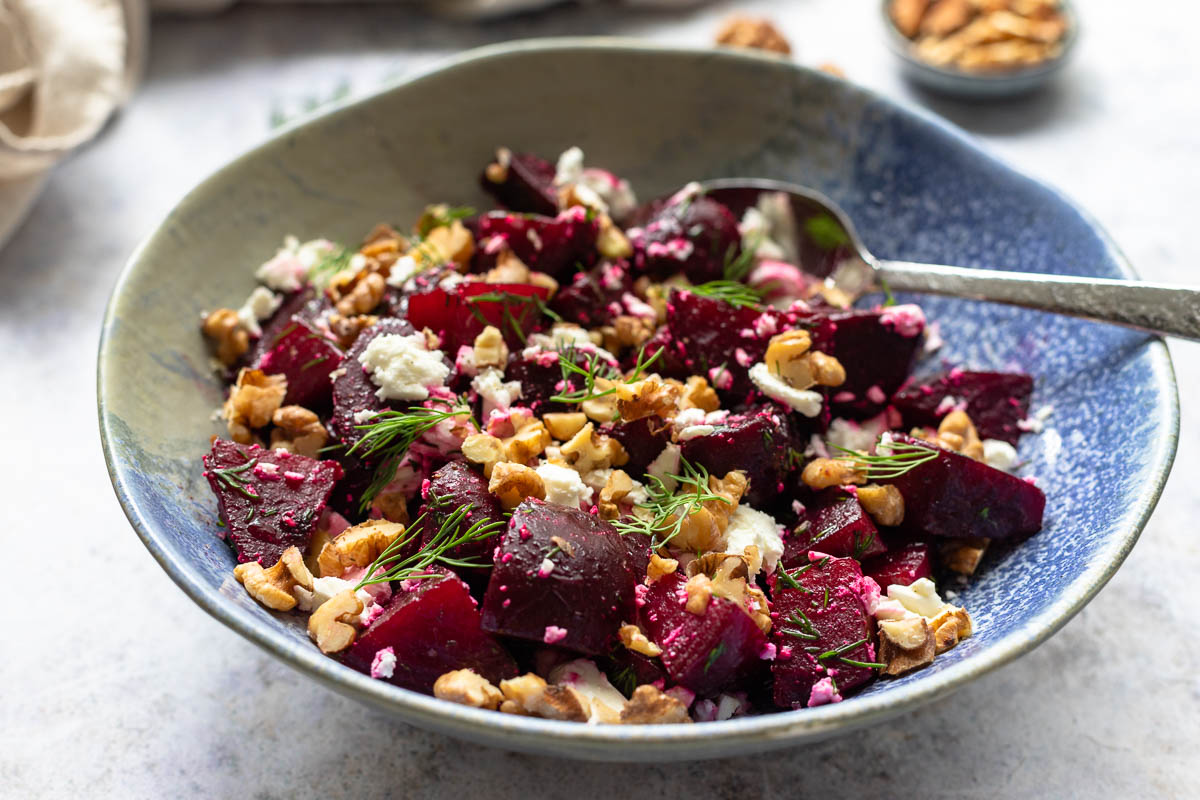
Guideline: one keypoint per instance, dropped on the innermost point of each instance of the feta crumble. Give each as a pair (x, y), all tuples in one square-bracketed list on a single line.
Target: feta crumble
[(260, 305), (749, 526), (497, 394), (384, 664), (920, 597), (564, 486), (806, 401), (401, 366), (288, 269), (999, 454)]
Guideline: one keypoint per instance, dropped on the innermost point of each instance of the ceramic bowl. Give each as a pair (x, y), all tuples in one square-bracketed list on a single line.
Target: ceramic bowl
[(955, 82), (916, 188)]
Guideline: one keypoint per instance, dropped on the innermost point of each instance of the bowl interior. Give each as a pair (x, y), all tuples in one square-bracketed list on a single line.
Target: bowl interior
[(915, 189)]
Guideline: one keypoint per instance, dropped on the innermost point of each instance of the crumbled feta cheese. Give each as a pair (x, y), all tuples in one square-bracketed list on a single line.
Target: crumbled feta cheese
[(666, 464), (554, 634), (403, 268), (906, 320), (401, 366), (852, 435), (823, 693), (805, 401), (603, 700), (564, 486), (748, 526), (1035, 422), (260, 305), (364, 416), (920, 597), (384, 664), (288, 269), (999, 454), (692, 431), (570, 167), (497, 394)]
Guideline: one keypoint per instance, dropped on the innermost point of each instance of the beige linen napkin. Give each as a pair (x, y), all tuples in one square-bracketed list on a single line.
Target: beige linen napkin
[(65, 66)]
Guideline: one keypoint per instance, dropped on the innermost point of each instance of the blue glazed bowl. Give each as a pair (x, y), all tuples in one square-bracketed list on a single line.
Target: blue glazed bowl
[(916, 188)]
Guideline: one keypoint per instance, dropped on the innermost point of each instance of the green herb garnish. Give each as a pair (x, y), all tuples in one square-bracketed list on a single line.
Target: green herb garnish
[(736, 294), (902, 458), (667, 509), (593, 370), (331, 264), (232, 478)]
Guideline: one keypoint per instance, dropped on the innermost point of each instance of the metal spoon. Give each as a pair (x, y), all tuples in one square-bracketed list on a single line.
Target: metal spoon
[(826, 244)]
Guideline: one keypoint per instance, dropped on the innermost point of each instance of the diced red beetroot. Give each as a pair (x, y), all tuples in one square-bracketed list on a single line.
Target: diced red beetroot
[(704, 653), (592, 297), (877, 354), (903, 566), (528, 185), (432, 629), (955, 496), (837, 526), (457, 316), (995, 401), (757, 443), (353, 389), (694, 235), (825, 614), (539, 379), (307, 359), (269, 500), (556, 245), (295, 305), (580, 600), (451, 487), (627, 670), (643, 439)]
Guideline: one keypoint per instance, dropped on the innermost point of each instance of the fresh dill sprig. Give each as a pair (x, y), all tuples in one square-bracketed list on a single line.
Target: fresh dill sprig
[(232, 478), (902, 458), (735, 293), (336, 260), (440, 216), (389, 434), (530, 302), (799, 626), (667, 508), (450, 534), (739, 262), (889, 298), (596, 369), (839, 654)]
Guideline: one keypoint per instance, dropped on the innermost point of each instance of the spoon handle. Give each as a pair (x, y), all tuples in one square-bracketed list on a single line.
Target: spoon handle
[(1151, 307)]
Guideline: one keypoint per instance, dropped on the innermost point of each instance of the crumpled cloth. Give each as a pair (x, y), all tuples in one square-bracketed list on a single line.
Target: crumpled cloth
[(65, 66)]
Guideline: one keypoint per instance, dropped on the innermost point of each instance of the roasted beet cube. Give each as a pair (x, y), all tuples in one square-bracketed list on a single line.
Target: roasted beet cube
[(432, 628), (302, 305), (353, 389), (837, 526), (820, 629), (562, 577), (643, 439), (757, 443), (718, 340), (904, 566), (691, 234), (703, 652), (877, 349), (995, 401), (557, 246), (458, 315), (955, 496), (594, 297), (269, 500), (453, 486), (526, 185), (307, 358)]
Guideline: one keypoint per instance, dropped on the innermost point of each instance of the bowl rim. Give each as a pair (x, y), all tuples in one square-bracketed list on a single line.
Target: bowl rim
[(901, 46), (613, 742)]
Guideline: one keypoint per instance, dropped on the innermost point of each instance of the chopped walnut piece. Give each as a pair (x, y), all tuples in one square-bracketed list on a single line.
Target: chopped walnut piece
[(730, 578), (509, 268), (527, 443), (357, 547), (298, 430), (634, 639), (490, 349), (227, 332), (649, 705), (273, 586), (649, 397), (252, 403), (362, 294), (659, 566), (451, 242), (704, 528), (483, 449), (756, 33), (468, 688), (698, 394), (521, 692), (564, 425), (884, 503), (950, 627), (512, 483), (347, 329), (956, 432), (822, 473), (611, 241), (618, 485), (530, 695), (588, 450), (601, 409), (789, 356), (905, 644), (699, 590), (329, 626), (962, 556)]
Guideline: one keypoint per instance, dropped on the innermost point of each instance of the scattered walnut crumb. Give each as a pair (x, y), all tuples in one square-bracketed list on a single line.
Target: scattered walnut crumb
[(659, 566), (588, 450), (616, 488), (950, 627), (329, 626), (298, 430), (226, 331), (822, 473), (636, 640), (512, 483), (884, 503), (361, 294), (273, 586), (651, 706), (347, 329), (753, 32), (957, 432), (699, 590), (358, 546), (252, 403), (468, 688), (564, 425), (962, 556), (490, 349), (698, 394), (649, 397)]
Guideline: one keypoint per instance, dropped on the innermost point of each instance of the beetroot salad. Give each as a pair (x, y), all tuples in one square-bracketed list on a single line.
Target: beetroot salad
[(587, 459)]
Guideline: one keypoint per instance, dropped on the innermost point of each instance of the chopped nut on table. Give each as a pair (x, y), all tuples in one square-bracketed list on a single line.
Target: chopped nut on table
[(982, 35), (753, 32)]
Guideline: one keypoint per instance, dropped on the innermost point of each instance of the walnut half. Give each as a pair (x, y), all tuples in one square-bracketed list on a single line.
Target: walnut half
[(468, 688), (329, 626), (905, 644), (273, 586), (651, 706)]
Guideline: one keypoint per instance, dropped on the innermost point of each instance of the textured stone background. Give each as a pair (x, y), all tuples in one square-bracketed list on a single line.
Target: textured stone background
[(115, 684)]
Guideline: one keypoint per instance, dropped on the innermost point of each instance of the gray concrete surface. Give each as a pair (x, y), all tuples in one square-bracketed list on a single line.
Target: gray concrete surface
[(115, 685)]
